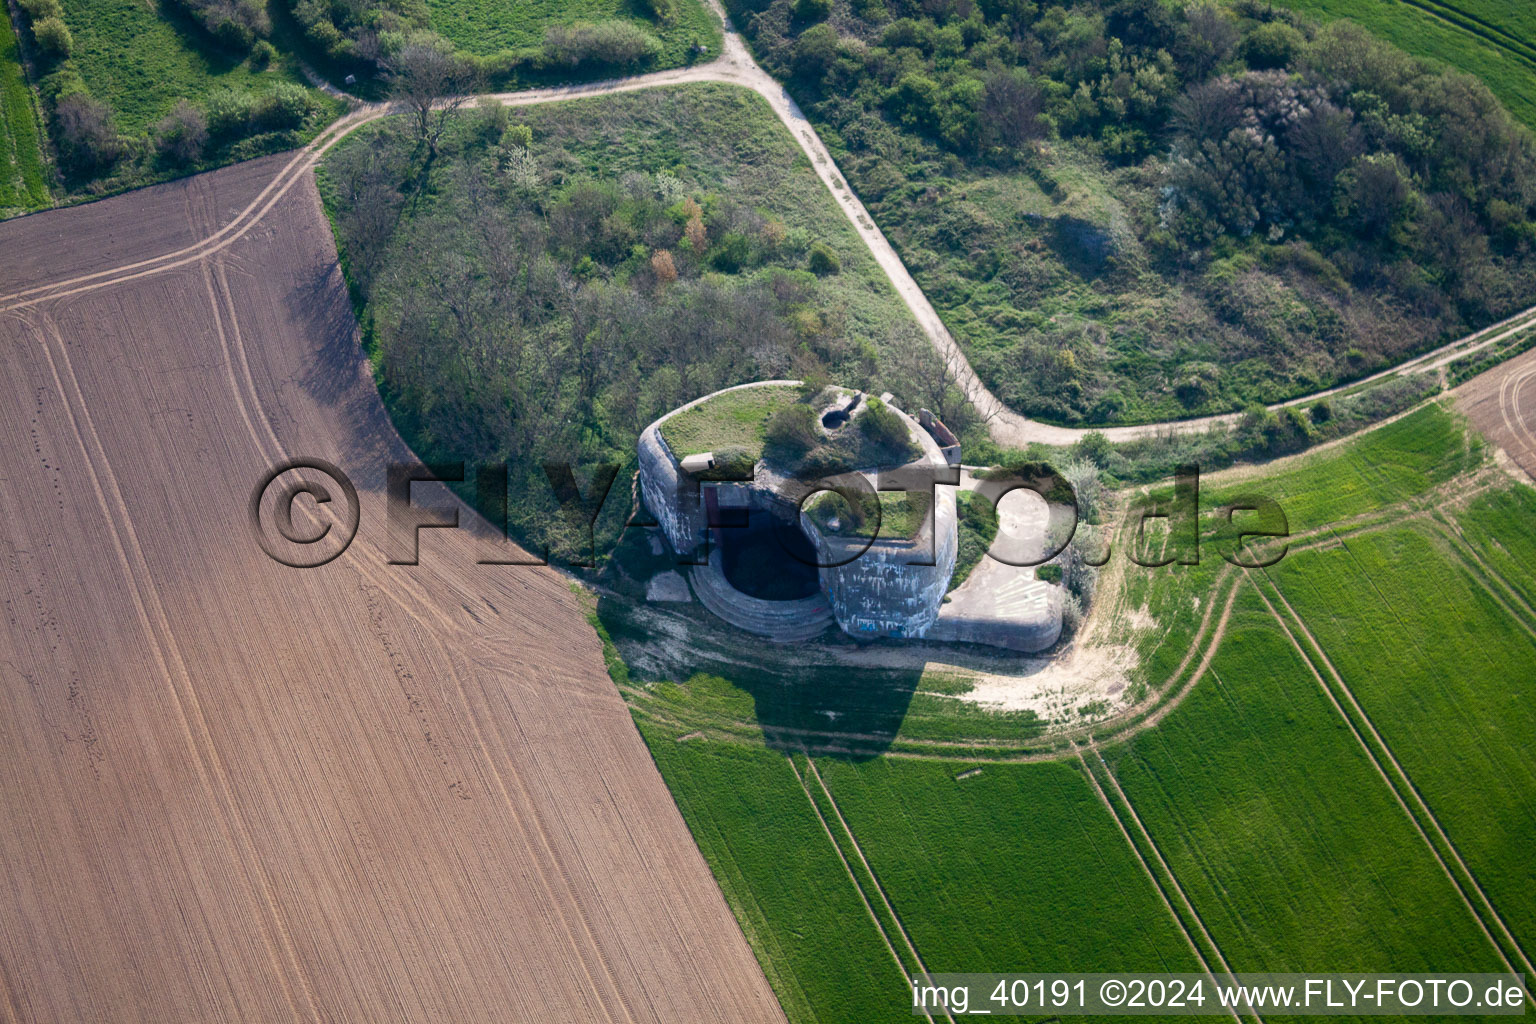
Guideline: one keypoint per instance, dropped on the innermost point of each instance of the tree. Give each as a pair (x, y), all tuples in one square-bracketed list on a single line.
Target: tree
[(1011, 110), (663, 267), (924, 379), (815, 52), (182, 134), (1206, 40), (88, 142), (1374, 195), (807, 11), (1272, 45), (53, 37), (432, 82)]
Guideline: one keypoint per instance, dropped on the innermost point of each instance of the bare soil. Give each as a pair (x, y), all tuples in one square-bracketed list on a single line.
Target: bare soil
[(238, 791), (1501, 403)]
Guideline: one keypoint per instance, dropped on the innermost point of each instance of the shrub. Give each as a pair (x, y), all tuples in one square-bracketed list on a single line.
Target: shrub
[(1272, 45), (823, 461), (823, 261), (1071, 614), (792, 431), (262, 54), (1049, 573), (182, 134), (617, 43), (493, 118), (807, 11), (53, 37), (815, 52), (62, 81), (37, 10), (88, 141), (285, 107), (732, 253), (229, 113), (732, 462), (883, 427), (663, 11), (520, 135)]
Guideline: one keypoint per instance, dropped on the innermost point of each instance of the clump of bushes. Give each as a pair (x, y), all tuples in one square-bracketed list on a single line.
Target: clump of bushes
[(235, 24), (182, 135), (792, 431), (53, 37), (884, 429), (617, 43), (823, 261), (87, 139)]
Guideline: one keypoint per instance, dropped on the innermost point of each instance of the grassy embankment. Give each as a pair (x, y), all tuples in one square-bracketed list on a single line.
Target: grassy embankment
[(485, 27)]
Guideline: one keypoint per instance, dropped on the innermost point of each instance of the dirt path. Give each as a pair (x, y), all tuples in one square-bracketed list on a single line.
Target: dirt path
[(735, 65)]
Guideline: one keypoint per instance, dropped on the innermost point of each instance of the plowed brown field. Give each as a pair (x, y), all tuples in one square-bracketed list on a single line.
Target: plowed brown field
[(237, 791), (1501, 403)]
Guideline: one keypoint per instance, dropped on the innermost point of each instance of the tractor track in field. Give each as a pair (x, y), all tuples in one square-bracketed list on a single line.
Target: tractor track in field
[(1407, 782), (172, 665), (853, 840), (1157, 883), (852, 877)]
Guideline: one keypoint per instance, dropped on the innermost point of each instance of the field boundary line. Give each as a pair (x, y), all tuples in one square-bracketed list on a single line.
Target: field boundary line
[(1475, 26), (863, 898), (810, 763), (1385, 777), (167, 653), (1157, 883)]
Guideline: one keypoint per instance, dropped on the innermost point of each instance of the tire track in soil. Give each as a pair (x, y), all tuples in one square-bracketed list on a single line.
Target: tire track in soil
[(1407, 780), (853, 840), (863, 898), (248, 399), (162, 642), (1157, 884)]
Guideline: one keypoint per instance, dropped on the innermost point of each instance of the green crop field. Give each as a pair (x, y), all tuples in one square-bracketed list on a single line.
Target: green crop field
[(1280, 817), (1286, 840), (487, 26), (1444, 672), (23, 178)]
